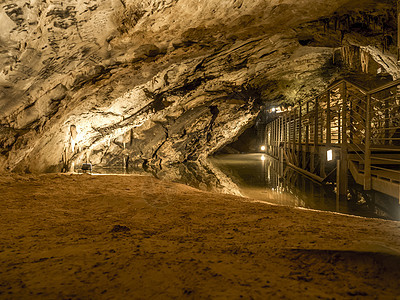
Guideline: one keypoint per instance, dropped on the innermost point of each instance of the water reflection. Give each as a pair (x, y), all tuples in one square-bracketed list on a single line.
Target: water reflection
[(265, 179)]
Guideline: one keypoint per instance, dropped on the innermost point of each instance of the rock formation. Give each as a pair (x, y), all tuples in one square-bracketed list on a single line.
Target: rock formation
[(157, 82)]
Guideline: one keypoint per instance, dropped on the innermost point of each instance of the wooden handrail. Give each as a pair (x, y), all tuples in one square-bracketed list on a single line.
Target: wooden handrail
[(361, 89)]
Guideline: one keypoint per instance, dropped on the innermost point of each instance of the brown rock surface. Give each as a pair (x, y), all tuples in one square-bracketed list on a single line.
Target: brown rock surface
[(130, 237)]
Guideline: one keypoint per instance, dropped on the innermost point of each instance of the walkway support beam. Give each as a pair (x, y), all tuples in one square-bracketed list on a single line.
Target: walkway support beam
[(343, 174), (315, 148), (367, 162)]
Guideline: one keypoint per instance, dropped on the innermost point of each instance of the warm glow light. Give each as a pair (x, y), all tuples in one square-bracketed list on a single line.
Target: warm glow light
[(329, 155), (273, 109), (262, 148), (262, 157)]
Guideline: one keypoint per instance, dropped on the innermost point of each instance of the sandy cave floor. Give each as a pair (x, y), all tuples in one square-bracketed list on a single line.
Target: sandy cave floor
[(136, 237)]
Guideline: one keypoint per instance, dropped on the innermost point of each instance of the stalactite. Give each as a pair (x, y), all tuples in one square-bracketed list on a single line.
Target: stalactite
[(343, 53), (348, 55), (364, 58), (131, 137), (64, 160), (336, 22), (325, 22), (342, 32), (73, 137)]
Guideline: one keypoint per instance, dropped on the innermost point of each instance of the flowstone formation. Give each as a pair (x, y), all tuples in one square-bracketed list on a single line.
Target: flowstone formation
[(157, 82)]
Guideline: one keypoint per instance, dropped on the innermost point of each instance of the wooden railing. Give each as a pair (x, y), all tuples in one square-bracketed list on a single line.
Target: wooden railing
[(345, 118)]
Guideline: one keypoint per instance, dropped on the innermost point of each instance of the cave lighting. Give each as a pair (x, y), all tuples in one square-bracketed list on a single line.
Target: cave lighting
[(329, 155), (262, 157), (262, 148)]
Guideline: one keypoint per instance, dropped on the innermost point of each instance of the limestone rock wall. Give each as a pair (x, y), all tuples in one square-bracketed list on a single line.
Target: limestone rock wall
[(164, 81)]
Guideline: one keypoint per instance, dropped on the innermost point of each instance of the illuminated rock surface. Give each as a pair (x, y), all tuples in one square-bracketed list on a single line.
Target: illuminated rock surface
[(158, 82)]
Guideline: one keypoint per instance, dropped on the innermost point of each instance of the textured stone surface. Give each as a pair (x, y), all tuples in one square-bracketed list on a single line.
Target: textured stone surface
[(164, 81)]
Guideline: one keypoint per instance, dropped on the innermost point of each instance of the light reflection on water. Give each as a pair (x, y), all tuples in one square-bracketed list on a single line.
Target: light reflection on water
[(262, 178)]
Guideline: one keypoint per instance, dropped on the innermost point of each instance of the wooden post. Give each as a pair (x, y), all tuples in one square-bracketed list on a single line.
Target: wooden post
[(398, 32), (338, 183), (278, 126), (386, 122), (279, 129), (315, 148), (281, 145), (300, 120), (266, 139), (299, 145), (268, 143), (322, 150), (307, 137), (340, 133), (276, 138), (328, 118), (351, 120), (367, 160), (285, 131), (289, 148), (322, 164), (273, 137), (294, 137), (342, 184)]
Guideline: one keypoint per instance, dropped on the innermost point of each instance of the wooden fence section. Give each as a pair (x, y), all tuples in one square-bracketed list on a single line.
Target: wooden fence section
[(345, 128)]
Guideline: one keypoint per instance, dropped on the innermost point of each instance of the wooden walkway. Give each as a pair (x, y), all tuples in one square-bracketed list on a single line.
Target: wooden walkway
[(360, 129)]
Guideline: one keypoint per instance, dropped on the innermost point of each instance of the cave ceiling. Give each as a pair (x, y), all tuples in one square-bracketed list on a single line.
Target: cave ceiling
[(166, 81)]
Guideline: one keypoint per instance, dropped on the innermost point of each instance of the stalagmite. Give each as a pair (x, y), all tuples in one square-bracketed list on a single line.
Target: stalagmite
[(73, 137)]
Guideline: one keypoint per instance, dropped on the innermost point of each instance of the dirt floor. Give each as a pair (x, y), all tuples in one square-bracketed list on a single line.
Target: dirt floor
[(136, 237)]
